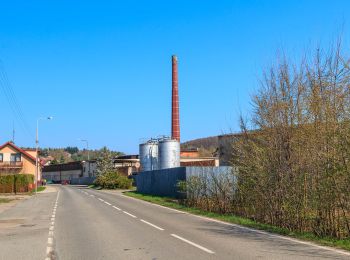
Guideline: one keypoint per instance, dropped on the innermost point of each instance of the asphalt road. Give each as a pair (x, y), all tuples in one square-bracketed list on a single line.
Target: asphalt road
[(90, 224)]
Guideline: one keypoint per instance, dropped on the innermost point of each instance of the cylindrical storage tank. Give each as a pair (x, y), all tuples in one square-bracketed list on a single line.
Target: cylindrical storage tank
[(169, 153), (149, 155)]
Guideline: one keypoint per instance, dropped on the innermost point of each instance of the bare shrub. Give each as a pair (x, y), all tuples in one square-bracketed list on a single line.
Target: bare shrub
[(293, 164)]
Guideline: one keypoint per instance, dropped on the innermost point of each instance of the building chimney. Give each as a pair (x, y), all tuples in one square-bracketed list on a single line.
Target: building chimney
[(175, 121)]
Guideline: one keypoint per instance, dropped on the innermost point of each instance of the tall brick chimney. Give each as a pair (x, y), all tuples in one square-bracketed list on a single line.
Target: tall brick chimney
[(175, 121)]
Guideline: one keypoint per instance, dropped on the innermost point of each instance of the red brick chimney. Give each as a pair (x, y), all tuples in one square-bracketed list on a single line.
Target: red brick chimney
[(175, 121)]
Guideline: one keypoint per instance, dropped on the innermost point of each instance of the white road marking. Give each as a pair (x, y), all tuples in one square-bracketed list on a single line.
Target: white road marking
[(101, 199), (107, 203), (146, 222), (131, 215), (116, 208), (339, 251), (92, 195), (193, 244), (48, 250)]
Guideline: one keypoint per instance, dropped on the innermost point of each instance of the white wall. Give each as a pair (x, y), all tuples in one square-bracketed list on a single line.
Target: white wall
[(63, 175)]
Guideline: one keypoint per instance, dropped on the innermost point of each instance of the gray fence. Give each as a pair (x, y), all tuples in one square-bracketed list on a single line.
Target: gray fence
[(164, 182), (82, 181)]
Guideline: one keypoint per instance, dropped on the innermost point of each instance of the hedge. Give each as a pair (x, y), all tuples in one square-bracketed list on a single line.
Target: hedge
[(16, 183), (6, 183), (113, 180)]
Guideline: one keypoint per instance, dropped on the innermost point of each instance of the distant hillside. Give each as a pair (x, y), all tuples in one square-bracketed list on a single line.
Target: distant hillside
[(207, 145), (70, 154)]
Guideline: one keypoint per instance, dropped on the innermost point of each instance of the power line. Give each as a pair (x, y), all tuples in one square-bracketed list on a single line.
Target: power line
[(15, 106), (18, 105)]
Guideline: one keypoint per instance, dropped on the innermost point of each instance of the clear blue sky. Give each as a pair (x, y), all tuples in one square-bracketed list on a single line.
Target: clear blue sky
[(103, 68)]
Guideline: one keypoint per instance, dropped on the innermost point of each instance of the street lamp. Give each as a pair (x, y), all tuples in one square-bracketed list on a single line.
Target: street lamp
[(87, 148), (37, 149)]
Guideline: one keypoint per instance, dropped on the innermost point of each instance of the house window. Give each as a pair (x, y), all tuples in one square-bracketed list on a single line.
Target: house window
[(15, 157), (1, 157)]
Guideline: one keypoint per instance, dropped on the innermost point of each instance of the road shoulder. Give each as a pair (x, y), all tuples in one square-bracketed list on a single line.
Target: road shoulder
[(213, 217)]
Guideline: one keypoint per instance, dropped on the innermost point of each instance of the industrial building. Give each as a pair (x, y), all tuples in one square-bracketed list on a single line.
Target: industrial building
[(154, 154), (84, 172), (162, 162), (126, 165)]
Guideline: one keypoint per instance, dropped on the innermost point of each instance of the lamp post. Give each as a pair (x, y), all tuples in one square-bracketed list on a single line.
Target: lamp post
[(87, 148), (37, 150)]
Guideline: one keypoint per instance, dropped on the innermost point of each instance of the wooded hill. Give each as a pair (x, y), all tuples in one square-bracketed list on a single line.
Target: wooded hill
[(207, 145), (71, 154)]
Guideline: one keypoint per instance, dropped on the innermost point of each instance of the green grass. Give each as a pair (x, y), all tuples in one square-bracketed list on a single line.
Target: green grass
[(5, 200), (173, 203), (93, 186), (41, 188), (100, 188)]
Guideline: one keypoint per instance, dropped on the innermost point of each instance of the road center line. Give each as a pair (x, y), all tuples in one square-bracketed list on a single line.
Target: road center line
[(146, 222), (131, 215), (107, 203), (49, 247), (116, 208), (92, 195), (193, 244), (100, 199)]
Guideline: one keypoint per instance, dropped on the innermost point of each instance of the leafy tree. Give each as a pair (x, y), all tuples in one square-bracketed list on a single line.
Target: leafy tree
[(54, 161), (62, 160), (104, 163), (44, 152), (71, 150)]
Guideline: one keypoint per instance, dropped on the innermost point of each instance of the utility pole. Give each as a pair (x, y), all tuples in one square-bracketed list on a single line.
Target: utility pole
[(87, 148), (37, 150)]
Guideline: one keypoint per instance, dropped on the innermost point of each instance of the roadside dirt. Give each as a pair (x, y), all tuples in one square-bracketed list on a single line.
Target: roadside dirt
[(14, 200)]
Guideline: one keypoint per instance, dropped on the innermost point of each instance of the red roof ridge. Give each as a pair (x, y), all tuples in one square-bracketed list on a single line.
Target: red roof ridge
[(18, 149)]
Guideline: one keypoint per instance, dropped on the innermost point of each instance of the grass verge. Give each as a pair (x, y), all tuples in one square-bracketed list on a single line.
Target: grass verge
[(39, 189), (93, 186), (5, 200), (173, 203)]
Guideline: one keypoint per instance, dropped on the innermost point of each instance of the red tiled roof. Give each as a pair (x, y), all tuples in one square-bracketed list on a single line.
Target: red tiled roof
[(18, 149)]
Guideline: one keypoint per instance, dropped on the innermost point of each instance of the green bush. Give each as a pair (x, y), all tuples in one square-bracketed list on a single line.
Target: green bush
[(15, 183), (6, 183), (6, 179), (24, 179), (22, 182), (113, 180)]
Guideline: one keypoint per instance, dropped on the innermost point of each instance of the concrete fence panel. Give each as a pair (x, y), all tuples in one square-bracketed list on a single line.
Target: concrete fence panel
[(164, 182)]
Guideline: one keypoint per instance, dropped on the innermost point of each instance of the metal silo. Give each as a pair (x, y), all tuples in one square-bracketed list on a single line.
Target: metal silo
[(149, 155), (169, 153)]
